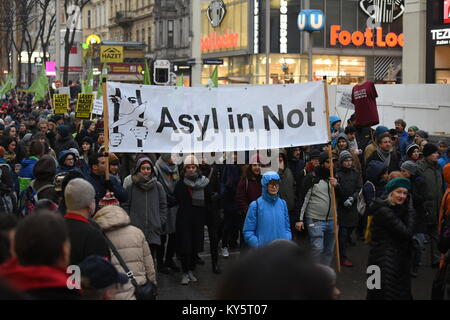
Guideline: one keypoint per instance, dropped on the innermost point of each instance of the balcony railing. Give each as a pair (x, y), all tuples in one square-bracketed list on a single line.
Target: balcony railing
[(124, 17)]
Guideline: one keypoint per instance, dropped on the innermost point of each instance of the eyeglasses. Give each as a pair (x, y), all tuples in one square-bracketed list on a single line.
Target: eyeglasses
[(70, 159)]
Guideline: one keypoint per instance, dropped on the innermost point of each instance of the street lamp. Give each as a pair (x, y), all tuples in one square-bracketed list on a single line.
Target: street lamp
[(310, 20)]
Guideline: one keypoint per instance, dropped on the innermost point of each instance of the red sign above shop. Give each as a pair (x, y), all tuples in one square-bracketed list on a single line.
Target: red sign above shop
[(370, 38), (215, 41), (446, 11)]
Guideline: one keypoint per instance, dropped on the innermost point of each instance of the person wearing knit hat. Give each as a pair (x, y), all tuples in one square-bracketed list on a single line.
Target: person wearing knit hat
[(350, 183), (420, 136), (114, 165), (430, 149), (316, 212), (44, 170), (193, 194), (413, 153), (147, 204), (409, 166), (64, 140), (85, 238), (391, 232), (429, 169), (190, 159), (324, 157), (168, 175)]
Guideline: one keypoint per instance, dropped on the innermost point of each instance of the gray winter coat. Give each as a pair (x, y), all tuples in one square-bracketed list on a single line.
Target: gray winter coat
[(148, 210), (433, 179), (287, 188)]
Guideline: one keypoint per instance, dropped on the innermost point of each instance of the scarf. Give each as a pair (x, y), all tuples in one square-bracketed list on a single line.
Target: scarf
[(385, 156), (197, 184), (143, 183), (164, 169)]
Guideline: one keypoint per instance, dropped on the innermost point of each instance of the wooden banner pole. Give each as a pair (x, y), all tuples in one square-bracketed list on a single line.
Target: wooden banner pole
[(106, 125), (333, 192)]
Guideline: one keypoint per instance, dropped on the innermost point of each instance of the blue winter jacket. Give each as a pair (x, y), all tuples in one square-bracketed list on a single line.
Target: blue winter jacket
[(334, 119), (62, 157), (26, 172), (267, 217), (405, 141)]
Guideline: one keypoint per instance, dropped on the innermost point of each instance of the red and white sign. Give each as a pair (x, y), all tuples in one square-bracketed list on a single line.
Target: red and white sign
[(368, 38), (446, 11), (216, 42)]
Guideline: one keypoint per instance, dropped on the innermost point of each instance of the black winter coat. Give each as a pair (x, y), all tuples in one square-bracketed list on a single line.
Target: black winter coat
[(394, 164), (349, 186), (392, 231), (190, 221), (418, 193)]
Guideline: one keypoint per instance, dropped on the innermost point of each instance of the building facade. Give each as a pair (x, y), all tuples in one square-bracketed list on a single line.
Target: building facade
[(438, 42), (356, 44)]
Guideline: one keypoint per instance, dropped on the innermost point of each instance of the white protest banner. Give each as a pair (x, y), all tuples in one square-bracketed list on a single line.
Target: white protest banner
[(98, 107), (344, 99), (196, 119)]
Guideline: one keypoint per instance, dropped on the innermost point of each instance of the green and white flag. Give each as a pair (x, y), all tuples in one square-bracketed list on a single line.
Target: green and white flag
[(213, 81)]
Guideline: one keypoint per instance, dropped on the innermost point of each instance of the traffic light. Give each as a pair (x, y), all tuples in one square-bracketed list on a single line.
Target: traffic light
[(161, 72)]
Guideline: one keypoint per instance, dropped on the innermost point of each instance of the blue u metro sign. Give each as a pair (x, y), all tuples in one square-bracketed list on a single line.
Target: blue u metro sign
[(310, 20)]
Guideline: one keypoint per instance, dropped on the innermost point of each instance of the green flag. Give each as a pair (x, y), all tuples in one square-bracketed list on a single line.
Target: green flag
[(7, 86), (40, 86), (213, 81), (180, 81), (146, 74)]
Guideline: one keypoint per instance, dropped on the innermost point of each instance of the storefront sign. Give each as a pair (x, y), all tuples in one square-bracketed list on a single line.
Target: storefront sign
[(213, 61), (370, 38), (310, 20), (383, 11), (125, 68), (447, 11), (256, 27), (216, 42), (111, 54), (216, 12), (440, 36)]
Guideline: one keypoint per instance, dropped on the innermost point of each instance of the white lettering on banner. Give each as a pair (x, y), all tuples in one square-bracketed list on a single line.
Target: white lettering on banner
[(256, 28), (441, 34), (195, 119)]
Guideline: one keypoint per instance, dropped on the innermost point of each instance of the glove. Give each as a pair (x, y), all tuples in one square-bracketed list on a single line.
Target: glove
[(108, 185), (349, 202)]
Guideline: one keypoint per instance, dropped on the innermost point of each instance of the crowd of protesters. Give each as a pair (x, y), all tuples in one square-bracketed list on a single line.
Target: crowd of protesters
[(57, 208)]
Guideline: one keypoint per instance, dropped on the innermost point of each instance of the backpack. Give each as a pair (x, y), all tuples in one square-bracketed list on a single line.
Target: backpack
[(29, 198), (7, 200), (361, 203)]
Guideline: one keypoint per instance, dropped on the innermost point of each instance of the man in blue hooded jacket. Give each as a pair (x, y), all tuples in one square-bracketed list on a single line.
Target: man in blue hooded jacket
[(267, 217)]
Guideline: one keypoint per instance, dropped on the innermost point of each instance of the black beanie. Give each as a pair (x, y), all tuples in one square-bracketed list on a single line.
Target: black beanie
[(45, 168), (429, 149)]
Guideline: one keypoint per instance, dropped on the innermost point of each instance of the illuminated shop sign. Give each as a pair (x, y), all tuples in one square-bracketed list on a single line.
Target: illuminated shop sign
[(214, 41), (447, 11), (310, 20), (370, 38), (256, 27), (440, 36)]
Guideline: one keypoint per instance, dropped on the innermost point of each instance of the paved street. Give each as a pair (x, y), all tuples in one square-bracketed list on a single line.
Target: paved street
[(351, 281)]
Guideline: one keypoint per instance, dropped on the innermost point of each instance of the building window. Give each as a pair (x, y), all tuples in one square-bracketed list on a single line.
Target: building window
[(149, 39), (170, 34), (89, 19), (160, 29), (137, 35), (181, 32), (143, 35)]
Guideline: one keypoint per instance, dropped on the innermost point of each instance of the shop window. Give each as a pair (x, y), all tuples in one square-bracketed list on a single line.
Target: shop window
[(349, 14), (333, 17), (318, 35), (441, 57), (352, 70), (443, 76)]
